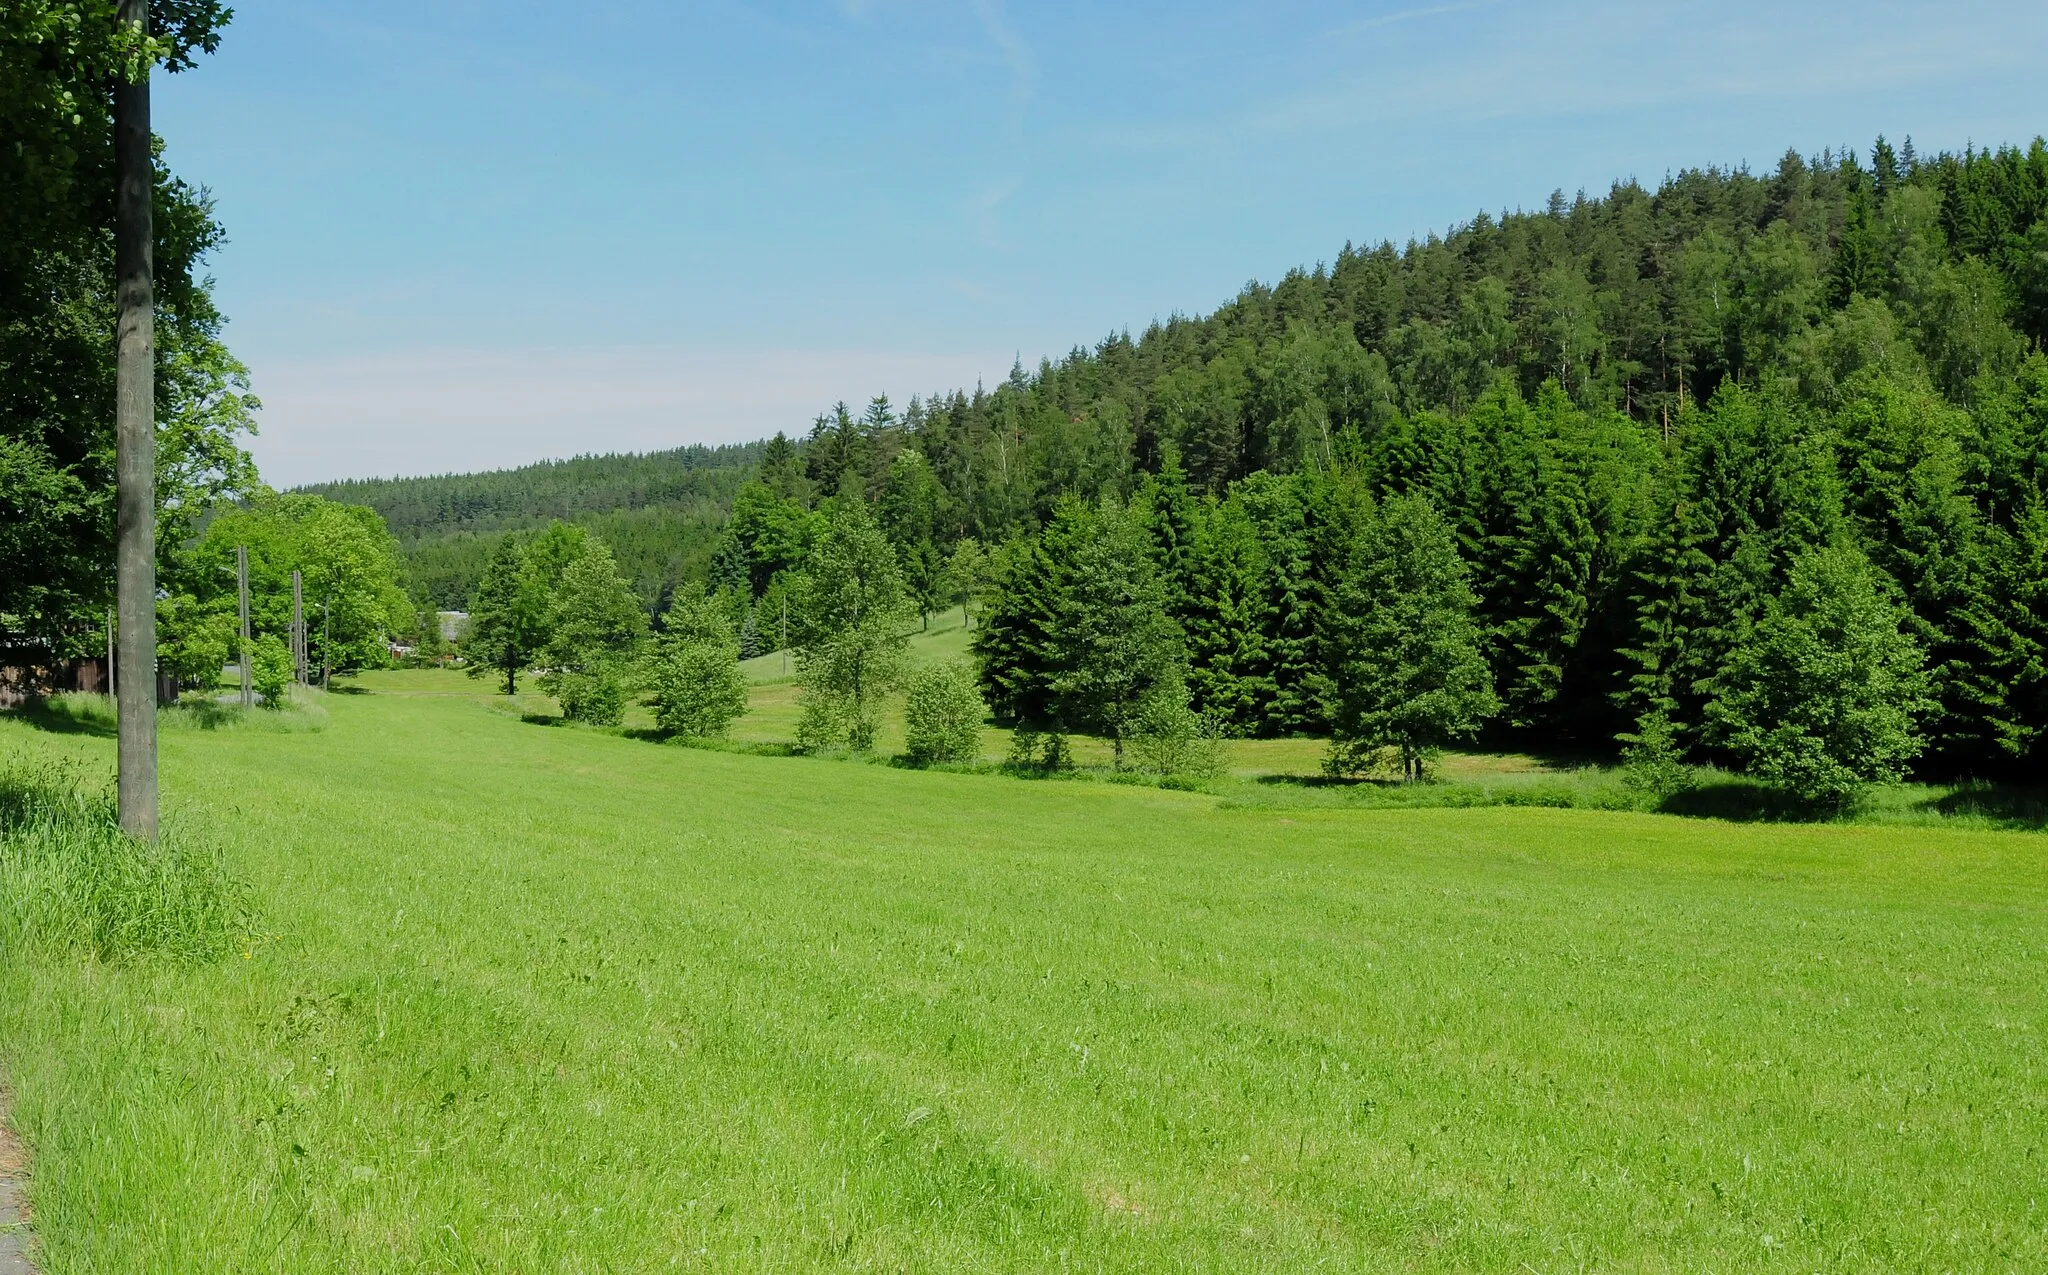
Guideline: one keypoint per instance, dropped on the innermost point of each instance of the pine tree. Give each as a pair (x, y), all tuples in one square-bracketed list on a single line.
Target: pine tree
[(1334, 507)]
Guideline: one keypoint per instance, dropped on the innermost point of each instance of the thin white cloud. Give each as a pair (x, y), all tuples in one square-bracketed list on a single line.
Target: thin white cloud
[(1016, 53), (1559, 60), (465, 409), (1409, 15)]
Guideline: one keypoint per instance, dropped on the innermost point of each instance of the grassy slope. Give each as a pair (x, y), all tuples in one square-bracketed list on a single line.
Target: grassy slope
[(550, 999)]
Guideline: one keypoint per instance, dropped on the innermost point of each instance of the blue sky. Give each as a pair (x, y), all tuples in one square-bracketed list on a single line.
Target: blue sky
[(465, 235)]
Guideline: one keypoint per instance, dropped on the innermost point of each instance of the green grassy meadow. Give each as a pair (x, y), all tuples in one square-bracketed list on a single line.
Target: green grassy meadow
[(543, 998)]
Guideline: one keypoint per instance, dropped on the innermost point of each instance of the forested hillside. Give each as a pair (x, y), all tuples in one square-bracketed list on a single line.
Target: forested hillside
[(659, 511), (1690, 445)]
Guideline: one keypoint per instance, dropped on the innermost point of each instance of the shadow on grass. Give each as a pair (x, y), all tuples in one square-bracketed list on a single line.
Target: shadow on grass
[(1326, 781), (40, 715), (746, 748), (2007, 807), (1739, 802)]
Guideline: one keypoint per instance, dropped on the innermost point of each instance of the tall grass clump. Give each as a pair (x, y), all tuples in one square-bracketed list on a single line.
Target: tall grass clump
[(72, 884)]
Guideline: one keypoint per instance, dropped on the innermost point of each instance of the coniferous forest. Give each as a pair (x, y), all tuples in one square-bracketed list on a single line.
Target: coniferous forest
[(1746, 467), (659, 512)]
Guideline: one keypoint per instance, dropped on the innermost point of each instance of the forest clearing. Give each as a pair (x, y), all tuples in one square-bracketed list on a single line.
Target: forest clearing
[(525, 996)]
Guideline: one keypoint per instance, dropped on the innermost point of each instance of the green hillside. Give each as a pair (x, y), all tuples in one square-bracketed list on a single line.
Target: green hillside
[(659, 512)]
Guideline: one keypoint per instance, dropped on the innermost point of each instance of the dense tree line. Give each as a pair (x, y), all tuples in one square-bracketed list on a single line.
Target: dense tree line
[(659, 512), (1669, 437)]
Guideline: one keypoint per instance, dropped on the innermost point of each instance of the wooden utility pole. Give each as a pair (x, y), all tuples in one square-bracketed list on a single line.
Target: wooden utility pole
[(135, 445), (242, 599), (298, 630)]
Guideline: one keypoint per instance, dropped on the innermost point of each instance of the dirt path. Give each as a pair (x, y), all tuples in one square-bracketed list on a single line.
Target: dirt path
[(14, 1232)]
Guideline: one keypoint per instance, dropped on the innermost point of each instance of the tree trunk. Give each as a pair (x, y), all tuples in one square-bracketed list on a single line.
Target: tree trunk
[(135, 449)]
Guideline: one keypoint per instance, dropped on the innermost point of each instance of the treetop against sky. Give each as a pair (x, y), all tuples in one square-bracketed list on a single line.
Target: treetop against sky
[(455, 244)]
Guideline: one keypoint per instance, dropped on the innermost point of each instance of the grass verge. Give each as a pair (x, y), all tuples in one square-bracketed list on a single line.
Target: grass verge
[(71, 884)]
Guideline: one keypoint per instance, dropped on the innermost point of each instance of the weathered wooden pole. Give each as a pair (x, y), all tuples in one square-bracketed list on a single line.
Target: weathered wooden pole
[(298, 630), (135, 446), (242, 598)]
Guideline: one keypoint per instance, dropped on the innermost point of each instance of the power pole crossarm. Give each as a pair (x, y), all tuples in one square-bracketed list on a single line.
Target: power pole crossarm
[(135, 447)]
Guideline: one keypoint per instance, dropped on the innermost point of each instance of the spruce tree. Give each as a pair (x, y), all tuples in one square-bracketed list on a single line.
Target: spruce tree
[(1016, 642), (508, 616), (1172, 514), (909, 509), (1409, 676), (1287, 637), (1537, 599), (1114, 640), (1229, 676)]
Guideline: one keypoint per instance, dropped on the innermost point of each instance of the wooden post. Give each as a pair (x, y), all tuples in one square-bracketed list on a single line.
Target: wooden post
[(242, 594), (298, 630), (135, 446)]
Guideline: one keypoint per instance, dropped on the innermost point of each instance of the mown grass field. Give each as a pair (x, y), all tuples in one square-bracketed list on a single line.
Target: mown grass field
[(538, 998)]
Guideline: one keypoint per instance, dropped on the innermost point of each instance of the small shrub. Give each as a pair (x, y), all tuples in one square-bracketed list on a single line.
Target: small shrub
[(826, 721), (1045, 751), (71, 883), (597, 697), (699, 690), (1356, 760), (271, 671), (1652, 763), (1169, 738), (942, 715)]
